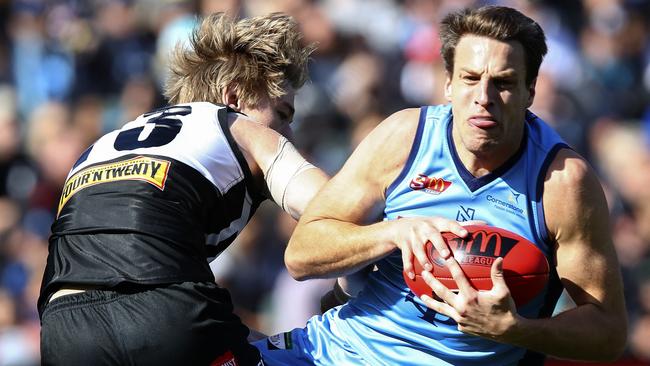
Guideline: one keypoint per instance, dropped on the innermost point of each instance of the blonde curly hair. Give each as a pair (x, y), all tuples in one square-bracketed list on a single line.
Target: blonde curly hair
[(259, 56)]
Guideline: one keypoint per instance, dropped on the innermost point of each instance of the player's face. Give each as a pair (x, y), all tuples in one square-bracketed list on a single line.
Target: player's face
[(274, 113), (489, 97)]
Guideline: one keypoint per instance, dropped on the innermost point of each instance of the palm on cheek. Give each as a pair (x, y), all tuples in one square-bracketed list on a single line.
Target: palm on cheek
[(487, 314)]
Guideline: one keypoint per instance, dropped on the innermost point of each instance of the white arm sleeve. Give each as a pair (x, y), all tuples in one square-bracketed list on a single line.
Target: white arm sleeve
[(285, 167)]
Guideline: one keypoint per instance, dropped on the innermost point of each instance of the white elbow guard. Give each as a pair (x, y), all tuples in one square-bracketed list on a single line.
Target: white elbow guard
[(286, 165)]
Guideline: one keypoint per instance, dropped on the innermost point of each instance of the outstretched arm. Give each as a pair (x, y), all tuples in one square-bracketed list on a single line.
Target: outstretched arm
[(290, 180), (338, 234), (577, 218)]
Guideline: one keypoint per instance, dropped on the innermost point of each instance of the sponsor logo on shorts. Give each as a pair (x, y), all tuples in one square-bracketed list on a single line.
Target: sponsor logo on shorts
[(227, 359), (429, 184), (279, 341), (150, 170)]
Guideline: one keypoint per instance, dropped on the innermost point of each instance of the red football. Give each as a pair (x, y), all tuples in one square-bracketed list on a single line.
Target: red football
[(524, 266)]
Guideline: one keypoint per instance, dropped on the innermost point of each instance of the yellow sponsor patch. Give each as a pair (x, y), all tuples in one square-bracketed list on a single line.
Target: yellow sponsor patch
[(147, 169)]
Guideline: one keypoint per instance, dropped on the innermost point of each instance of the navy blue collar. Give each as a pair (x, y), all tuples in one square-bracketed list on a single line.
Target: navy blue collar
[(472, 182)]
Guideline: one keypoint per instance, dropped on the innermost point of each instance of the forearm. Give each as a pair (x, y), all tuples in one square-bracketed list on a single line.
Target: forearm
[(328, 248), (584, 333)]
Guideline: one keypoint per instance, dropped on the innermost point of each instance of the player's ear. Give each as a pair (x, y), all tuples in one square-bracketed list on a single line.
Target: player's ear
[(448, 86), (230, 97)]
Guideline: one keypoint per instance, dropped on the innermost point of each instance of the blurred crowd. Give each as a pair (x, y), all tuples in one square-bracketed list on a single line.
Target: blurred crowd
[(71, 70)]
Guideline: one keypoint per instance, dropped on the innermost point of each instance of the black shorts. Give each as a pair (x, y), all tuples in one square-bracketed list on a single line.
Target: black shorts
[(177, 324)]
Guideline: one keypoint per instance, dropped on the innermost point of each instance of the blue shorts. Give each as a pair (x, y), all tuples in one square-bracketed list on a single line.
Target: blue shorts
[(342, 336), (316, 344)]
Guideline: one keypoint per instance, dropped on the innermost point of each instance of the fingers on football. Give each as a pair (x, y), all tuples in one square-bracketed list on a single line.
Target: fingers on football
[(444, 293), (416, 245), (440, 245), (473, 222), (459, 276), (446, 296), (496, 272), (420, 254), (407, 262), (440, 307), (443, 224)]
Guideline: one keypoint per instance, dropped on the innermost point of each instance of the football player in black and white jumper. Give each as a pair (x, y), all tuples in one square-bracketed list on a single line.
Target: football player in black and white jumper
[(127, 279)]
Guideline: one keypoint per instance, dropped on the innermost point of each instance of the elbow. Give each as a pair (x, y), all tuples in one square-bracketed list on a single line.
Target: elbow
[(296, 264), (619, 344), (305, 258), (295, 270), (614, 350), (615, 342), (618, 339)]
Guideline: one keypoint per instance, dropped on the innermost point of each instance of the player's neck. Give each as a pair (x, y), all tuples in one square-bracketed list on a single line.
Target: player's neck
[(485, 161)]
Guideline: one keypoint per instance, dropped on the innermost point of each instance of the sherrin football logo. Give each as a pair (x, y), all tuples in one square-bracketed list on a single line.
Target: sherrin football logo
[(150, 170), (429, 184)]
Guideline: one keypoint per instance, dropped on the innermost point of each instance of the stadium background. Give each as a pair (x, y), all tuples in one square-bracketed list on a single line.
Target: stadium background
[(71, 70)]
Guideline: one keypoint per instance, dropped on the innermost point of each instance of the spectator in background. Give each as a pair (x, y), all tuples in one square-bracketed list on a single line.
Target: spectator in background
[(17, 346), (123, 51), (54, 145), (17, 172), (42, 68), (174, 21)]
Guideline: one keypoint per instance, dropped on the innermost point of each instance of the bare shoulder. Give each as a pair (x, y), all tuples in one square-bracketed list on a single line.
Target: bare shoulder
[(403, 122), (573, 198), (567, 169), (357, 192), (385, 150)]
